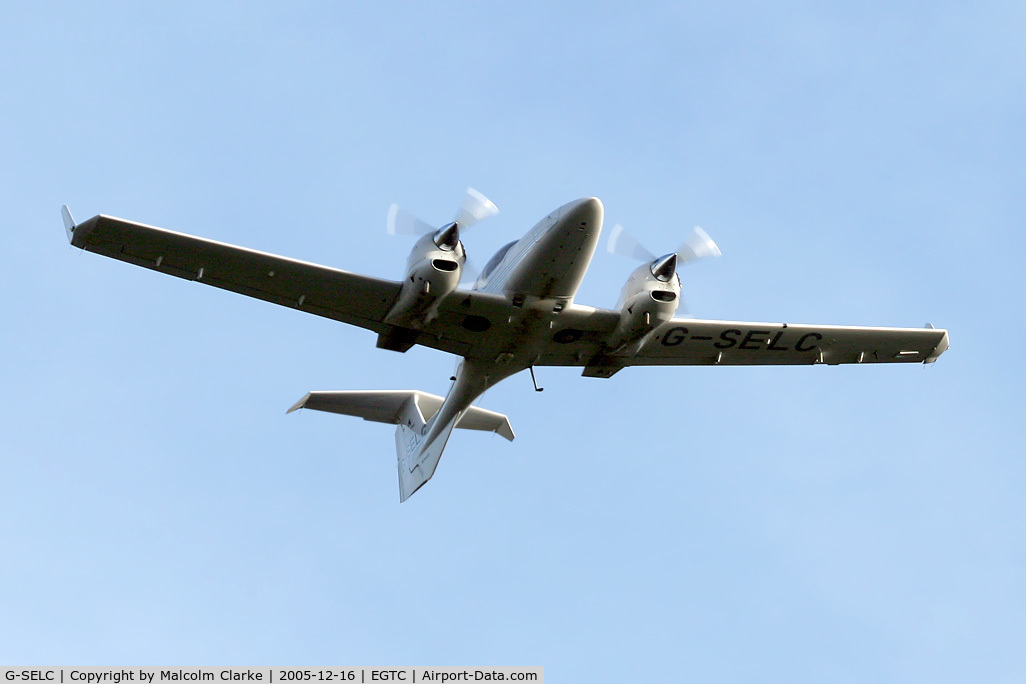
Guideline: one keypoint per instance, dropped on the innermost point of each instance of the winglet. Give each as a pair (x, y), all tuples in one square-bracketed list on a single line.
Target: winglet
[(299, 404), (941, 347), (69, 223)]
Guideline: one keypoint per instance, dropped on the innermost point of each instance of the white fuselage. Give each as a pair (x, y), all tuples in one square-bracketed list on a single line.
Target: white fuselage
[(539, 274), (549, 262)]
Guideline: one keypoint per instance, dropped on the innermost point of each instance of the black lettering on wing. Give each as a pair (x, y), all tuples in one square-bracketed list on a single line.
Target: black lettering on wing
[(772, 346), (674, 336), (752, 339), (800, 345), (726, 341)]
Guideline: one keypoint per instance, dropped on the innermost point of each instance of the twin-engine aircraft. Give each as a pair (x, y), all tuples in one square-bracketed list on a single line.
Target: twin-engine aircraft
[(519, 313)]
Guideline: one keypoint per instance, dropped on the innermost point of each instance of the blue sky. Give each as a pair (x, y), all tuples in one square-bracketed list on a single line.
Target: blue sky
[(857, 165)]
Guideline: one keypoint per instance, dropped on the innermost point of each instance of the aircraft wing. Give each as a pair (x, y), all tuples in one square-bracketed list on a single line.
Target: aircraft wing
[(332, 293), (695, 342), (470, 323), (340, 295), (692, 342)]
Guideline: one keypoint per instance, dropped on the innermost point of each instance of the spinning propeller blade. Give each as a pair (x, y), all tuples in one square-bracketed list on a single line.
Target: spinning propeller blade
[(402, 222), (623, 243), (473, 208), (698, 245)]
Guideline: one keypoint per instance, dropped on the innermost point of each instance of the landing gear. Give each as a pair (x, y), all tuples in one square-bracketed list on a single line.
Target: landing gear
[(535, 381)]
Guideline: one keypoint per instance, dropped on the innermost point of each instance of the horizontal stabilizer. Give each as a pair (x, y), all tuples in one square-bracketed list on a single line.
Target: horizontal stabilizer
[(385, 406)]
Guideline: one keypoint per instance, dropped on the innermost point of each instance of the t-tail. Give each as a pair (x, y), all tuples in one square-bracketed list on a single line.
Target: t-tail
[(419, 442), (417, 456)]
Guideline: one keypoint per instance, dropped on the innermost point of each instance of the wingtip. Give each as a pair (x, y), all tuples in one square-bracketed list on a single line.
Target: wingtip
[(941, 347), (69, 222), (299, 404)]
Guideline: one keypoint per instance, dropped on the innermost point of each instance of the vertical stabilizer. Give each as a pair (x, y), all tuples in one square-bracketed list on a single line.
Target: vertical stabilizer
[(417, 458)]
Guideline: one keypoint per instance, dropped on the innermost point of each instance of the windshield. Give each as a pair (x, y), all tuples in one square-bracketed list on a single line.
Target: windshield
[(492, 263)]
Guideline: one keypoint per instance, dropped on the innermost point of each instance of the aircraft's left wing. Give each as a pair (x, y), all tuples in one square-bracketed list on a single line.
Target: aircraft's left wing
[(348, 297), (692, 342), (697, 342)]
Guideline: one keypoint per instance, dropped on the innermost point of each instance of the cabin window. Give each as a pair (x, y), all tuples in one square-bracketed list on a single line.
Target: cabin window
[(494, 261)]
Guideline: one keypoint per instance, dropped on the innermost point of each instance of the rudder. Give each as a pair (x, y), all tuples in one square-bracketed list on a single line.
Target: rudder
[(417, 461)]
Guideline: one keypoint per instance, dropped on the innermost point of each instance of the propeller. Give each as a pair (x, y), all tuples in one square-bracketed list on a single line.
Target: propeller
[(473, 208), (697, 245)]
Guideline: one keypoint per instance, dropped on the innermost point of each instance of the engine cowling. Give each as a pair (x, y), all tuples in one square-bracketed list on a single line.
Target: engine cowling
[(433, 270), (649, 298)]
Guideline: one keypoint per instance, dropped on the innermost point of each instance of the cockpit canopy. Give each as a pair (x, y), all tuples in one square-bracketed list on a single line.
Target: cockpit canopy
[(492, 264)]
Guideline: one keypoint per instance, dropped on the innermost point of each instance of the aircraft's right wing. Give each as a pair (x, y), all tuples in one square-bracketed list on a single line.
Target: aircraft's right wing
[(348, 297), (340, 295)]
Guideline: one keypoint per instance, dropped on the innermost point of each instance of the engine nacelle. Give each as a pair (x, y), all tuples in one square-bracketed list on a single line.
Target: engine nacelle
[(648, 299), (433, 270)]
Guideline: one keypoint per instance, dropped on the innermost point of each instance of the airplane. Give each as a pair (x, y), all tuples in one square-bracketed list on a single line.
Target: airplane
[(519, 313)]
